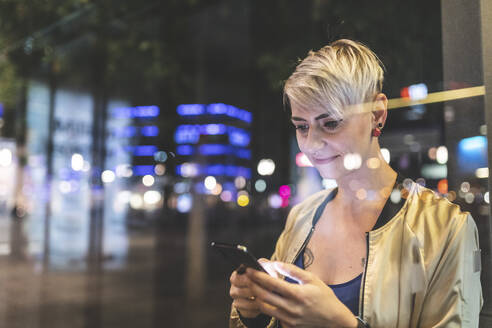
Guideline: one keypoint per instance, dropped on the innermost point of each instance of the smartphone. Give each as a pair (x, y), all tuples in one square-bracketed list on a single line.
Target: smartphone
[(237, 255)]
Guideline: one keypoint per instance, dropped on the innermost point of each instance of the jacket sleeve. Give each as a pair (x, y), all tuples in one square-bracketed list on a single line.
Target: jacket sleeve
[(278, 254), (454, 294)]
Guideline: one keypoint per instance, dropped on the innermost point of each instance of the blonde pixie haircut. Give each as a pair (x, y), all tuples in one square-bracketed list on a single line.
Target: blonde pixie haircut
[(338, 76)]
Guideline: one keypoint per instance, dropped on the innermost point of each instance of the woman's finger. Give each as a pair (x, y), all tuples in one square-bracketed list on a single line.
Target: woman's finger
[(264, 296), (239, 280), (276, 285)]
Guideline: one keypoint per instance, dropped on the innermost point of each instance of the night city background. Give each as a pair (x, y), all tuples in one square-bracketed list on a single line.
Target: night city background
[(134, 133)]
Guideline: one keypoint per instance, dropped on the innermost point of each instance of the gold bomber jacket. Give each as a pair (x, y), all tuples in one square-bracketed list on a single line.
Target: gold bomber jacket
[(423, 264)]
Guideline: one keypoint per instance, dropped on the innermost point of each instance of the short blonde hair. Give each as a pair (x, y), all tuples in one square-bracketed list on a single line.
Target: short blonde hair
[(341, 74)]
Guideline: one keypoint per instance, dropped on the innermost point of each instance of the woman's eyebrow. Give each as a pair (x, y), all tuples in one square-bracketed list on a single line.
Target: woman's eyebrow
[(295, 118)]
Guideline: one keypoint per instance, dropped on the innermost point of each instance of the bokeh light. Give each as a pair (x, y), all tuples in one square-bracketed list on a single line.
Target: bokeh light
[(107, 176), (243, 200), (210, 182), (442, 186), (386, 154), (266, 167), (260, 185), (240, 182), (352, 161), (77, 162), (148, 180), (442, 155)]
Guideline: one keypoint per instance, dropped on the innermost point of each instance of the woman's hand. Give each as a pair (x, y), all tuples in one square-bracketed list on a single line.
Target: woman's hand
[(310, 304), (243, 297)]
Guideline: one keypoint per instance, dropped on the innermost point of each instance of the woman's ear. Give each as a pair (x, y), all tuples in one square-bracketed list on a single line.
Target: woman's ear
[(380, 112)]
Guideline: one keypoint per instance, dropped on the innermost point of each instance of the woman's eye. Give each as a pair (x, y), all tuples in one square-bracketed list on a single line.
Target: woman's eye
[(332, 125), (301, 128)]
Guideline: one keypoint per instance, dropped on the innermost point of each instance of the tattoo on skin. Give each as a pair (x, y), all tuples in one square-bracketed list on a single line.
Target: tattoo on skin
[(308, 258), (363, 261)]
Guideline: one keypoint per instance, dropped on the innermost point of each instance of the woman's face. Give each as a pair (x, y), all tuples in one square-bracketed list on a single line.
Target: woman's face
[(326, 141)]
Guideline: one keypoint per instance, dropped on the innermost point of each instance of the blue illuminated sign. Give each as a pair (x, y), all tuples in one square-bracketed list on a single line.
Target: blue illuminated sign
[(187, 134), (1, 110), (219, 170), (191, 109), (149, 131), (215, 109), (141, 170), (472, 153), (147, 150), (136, 112), (185, 150), (239, 137)]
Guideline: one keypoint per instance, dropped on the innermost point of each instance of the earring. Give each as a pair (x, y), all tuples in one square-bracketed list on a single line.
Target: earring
[(377, 131)]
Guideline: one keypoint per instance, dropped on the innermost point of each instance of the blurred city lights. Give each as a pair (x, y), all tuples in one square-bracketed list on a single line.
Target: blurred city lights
[(266, 167), (361, 194), (482, 172), (352, 161), (284, 191), (189, 170), (465, 186), (418, 91), (226, 196), (77, 162), (141, 170), (86, 167), (275, 201), (160, 156), (329, 183), (451, 196), (373, 163), (148, 180), (160, 169), (136, 201), (442, 186), (65, 187), (303, 161), (469, 198), (472, 143), (144, 150), (124, 171), (5, 157), (386, 154), (442, 155), (434, 171), (107, 176), (217, 189), (210, 182), (486, 197), (240, 182), (243, 200), (181, 187), (395, 196), (260, 185), (184, 203), (124, 196), (152, 197), (407, 184), (483, 129), (432, 153)]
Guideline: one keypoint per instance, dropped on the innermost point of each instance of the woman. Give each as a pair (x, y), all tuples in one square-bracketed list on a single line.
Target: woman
[(347, 259)]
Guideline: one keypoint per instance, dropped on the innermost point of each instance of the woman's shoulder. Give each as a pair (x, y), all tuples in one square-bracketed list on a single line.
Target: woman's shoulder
[(429, 210)]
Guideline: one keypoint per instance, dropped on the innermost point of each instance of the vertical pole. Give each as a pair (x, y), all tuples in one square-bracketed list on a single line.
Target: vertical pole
[(486, 27)]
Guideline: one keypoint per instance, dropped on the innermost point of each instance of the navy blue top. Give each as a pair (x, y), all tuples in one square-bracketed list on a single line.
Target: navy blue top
[(347, 292)]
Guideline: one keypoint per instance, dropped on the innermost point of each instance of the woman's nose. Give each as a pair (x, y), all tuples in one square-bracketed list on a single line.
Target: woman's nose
[(314, 141)]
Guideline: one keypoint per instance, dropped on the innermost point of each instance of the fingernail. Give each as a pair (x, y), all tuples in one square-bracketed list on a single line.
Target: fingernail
[(241, 269)]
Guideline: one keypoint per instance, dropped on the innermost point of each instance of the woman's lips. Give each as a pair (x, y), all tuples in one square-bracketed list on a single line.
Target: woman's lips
[(324, 160)]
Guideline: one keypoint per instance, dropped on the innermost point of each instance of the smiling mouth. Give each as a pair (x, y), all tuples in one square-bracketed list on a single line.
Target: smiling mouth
[(325, 160)]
